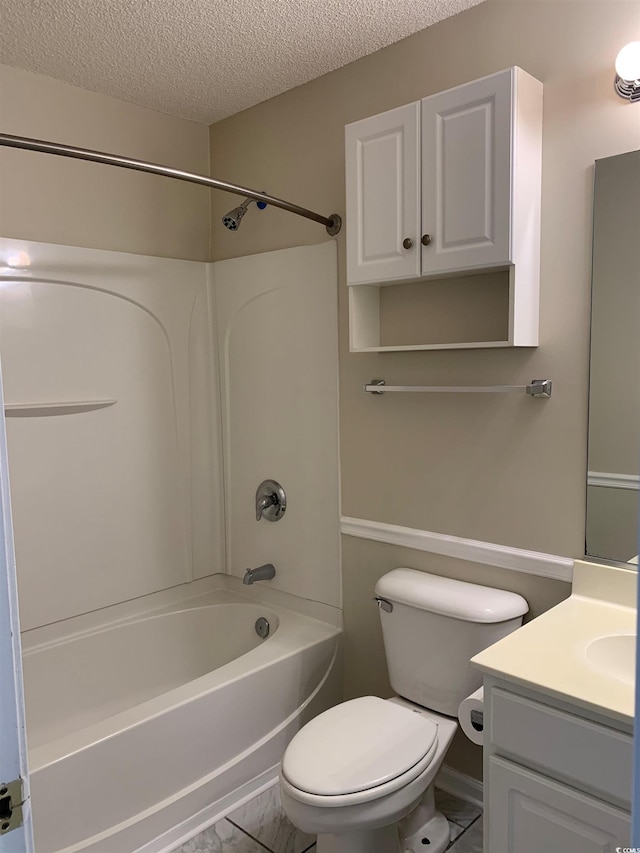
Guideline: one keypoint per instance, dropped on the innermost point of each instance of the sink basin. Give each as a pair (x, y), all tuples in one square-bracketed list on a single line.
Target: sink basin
[(615, 656)]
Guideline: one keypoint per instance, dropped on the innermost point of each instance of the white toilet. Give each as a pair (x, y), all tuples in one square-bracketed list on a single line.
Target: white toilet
[(352, 772)]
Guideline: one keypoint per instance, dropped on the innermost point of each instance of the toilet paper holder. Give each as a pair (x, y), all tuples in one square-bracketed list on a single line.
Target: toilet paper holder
[(477, 720), (471, 716)]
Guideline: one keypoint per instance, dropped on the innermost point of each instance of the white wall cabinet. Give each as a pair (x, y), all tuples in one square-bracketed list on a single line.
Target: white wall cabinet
[(466, 178), (554, 779), (441, 188), (383, 169)]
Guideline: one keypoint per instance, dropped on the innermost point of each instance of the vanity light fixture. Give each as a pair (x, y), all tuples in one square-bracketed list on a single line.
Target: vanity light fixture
[(627, 82)]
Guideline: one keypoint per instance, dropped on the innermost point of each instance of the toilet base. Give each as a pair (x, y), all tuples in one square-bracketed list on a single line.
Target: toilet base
[(392, 839), (382, 840), (425, 827), (435, 833)]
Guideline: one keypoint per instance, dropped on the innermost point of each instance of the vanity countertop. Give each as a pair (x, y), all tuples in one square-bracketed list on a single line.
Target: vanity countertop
[(564, 652)]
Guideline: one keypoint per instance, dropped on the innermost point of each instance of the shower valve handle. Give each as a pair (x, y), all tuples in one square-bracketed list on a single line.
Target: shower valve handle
[(271, 501)]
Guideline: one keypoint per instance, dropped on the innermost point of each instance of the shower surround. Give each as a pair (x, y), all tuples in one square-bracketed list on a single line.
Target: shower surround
[(128, 380)]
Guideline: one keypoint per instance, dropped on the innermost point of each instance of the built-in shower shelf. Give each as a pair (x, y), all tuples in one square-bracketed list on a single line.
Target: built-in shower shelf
[(41, 410)]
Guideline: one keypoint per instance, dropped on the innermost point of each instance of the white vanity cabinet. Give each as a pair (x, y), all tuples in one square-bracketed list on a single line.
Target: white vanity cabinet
[(447, 186), (556, 779)]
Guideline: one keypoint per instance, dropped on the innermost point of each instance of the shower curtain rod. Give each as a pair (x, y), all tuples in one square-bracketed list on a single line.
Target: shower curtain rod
[(332, 223)]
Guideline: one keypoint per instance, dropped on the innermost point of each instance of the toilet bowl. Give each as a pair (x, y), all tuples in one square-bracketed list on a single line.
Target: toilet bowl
[(352, 773), (360, 767)]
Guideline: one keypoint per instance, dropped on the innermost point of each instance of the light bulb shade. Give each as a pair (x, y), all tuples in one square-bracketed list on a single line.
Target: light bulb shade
[(628, 62), (627, 82)]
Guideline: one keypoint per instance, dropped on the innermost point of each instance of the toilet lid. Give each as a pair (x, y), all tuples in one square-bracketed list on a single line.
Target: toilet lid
[(357, 745)]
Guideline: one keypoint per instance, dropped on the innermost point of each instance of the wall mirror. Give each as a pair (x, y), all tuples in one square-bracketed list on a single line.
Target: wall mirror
[(614, 381)]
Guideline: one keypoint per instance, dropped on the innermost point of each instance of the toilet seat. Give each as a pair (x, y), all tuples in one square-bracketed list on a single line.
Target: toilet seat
[(358, 751)]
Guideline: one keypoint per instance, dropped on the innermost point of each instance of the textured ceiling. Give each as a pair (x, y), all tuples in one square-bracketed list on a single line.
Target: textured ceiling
[(203, 59)]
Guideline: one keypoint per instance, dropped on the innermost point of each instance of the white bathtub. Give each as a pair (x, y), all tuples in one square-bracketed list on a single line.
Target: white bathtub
[(149, 720)]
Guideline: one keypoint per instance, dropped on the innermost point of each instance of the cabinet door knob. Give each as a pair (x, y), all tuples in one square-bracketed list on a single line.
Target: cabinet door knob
[(426, 239), (407, 242)]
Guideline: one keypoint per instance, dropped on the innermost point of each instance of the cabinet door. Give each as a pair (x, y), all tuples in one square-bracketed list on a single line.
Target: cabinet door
[(466, 175), (528, 813), (383, 207)]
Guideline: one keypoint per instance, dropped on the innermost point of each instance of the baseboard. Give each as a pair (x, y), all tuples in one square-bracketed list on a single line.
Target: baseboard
[(460, 785), (210, 815)]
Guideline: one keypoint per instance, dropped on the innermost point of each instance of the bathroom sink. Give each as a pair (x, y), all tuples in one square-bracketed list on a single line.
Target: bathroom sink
[(615, 656)]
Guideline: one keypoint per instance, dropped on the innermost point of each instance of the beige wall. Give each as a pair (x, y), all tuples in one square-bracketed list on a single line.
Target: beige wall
[(509, 470), (56, 200)]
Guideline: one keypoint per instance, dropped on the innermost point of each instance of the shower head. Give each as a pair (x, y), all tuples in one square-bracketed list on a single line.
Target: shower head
[(233, 219)]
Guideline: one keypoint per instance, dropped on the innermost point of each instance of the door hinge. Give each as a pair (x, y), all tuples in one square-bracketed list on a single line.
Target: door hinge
[(11, 802)]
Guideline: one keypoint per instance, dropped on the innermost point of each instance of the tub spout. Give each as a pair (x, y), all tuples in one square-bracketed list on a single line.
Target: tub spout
[(262, 573)]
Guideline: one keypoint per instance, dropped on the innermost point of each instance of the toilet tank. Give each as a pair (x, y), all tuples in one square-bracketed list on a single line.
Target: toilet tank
[(432, 626)]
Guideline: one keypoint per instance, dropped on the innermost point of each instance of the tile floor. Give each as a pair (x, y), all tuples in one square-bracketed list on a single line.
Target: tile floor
[(261, 825)]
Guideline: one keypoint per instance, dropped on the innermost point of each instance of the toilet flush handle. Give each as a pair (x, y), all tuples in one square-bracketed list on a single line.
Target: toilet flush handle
[(384, 604)]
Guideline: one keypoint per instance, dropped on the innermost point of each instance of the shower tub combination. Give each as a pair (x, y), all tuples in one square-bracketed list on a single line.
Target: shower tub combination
[(149, 720)]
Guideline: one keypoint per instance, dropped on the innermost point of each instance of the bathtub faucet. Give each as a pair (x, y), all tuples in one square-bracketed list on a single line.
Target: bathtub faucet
[(262, 573)]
